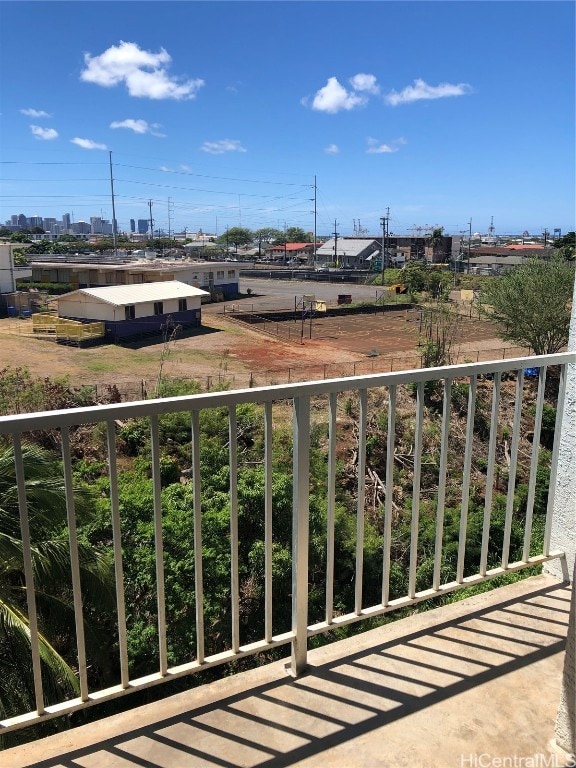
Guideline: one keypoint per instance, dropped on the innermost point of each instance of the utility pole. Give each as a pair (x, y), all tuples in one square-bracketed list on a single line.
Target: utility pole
[(169, 221), (315, 222), (335, 233), (114, 233), (151, 220), (469, 243), (384, 225), (545, 236)]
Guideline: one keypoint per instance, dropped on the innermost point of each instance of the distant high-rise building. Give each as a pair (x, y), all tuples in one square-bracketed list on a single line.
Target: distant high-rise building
[(132, 225), (36, 221), (22, 221), (66, 221), (13, 220), (143, 225), (80, 228)]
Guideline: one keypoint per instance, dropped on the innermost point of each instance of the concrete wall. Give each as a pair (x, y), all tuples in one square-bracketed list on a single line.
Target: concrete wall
[(564, 517), (564, 537)]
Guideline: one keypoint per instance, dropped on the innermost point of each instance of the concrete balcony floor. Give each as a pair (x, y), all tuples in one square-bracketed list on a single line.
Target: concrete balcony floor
[(456, 686)]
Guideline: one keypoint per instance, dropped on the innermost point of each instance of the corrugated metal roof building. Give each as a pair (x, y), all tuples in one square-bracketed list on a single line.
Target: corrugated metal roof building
[(132, 311)]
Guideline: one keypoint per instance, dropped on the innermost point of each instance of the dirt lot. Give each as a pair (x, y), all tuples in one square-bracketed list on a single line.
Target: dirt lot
[(230, 350)]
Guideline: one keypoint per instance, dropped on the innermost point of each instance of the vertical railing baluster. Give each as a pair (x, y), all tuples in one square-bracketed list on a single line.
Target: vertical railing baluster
[(466, 479), (300, 532), (198, 576), (534, 462), (446, 410), (117, 545), (513, 468), (388, 506), (490, 472), (234, 577), (158, 545), (332, 413), (268, 522), (74, 564), (28, 575), (415, 522), (362, 401), (554, 458)]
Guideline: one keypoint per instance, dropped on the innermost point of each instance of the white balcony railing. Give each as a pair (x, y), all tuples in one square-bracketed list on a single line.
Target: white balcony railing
[(312, 404)]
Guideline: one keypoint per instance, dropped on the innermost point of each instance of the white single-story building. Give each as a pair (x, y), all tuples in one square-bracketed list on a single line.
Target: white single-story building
[(131, 311)]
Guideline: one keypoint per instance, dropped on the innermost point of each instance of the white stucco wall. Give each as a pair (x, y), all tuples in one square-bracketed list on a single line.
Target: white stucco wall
[(564, 517), (86, 307), (564, 537), (7, 279)]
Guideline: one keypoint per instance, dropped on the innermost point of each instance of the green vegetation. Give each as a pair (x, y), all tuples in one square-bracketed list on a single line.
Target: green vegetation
[(50, 552), (531, 304), (136, 493)]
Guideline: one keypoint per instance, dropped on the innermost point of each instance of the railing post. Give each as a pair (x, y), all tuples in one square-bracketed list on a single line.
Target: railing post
[(300, 534)]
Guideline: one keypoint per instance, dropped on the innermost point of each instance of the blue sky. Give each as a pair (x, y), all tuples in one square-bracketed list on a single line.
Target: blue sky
[(222, 113)]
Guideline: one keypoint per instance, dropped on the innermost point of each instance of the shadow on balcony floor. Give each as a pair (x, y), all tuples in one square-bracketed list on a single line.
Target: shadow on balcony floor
[(444, 688)]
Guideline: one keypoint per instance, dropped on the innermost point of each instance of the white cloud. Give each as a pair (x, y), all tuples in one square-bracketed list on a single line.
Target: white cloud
[(421, 90), (364, 82), (144, 73), (138, 126), (333, 97), (224, 145), (166, 169), (34, 113), (45, 134), (332, 149), (377, 148), (185, 168), (88, 144)]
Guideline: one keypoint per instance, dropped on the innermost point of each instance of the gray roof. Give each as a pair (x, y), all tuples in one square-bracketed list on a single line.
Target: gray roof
[(120, 295), (349, 246)]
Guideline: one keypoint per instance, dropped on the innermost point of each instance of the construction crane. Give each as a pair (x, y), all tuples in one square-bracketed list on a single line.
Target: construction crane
[(419, 229)]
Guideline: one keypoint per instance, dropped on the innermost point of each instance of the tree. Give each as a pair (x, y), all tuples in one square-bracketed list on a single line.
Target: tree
[(297, 235), (237, 236), (414, 277), (293, 235), (266, 235), (531, 304), (46, 501), (566, 246), (435, 241)]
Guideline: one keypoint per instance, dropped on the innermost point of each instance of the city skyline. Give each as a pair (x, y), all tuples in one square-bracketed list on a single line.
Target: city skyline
[(96, 225), (241, 113)]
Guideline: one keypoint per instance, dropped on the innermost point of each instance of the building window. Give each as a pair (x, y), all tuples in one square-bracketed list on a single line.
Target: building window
[(130, 312), (182, 305), (231, 273), (158, 307), (220, 274)]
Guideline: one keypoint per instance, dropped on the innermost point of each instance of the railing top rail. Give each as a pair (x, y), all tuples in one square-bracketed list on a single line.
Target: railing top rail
[(69, 417)]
